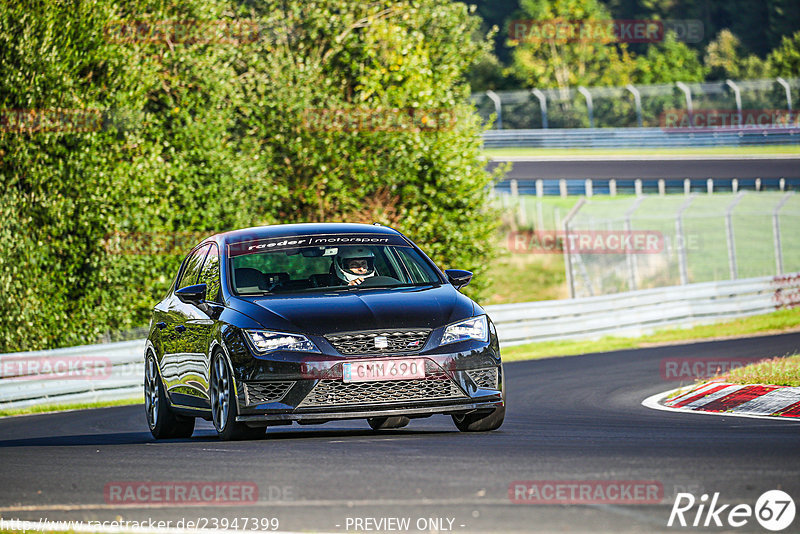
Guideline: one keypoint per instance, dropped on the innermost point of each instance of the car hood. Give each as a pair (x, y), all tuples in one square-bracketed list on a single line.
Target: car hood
[(362, 309)]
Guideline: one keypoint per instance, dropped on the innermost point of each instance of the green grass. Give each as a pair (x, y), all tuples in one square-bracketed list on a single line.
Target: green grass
[(45, 408), (527, 278), (778, 321), (776, 371), (700, 151)]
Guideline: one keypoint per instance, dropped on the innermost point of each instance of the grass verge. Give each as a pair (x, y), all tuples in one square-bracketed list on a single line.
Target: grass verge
[(700, 151), (770, 323), (48, 408), (775, 371)]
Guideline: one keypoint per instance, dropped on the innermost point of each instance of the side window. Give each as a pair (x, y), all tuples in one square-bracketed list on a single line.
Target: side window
[(191, 267), (420, 272), (210, 275)]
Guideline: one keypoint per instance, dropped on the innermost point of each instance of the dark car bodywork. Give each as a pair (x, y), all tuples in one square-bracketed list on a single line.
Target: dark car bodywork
[(195, 322)]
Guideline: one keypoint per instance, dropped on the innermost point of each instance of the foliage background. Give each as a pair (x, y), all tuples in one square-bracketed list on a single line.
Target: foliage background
[(202, 137), (743, 39)]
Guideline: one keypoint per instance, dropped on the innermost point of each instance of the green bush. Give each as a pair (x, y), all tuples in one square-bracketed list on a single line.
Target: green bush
[(204, 135)]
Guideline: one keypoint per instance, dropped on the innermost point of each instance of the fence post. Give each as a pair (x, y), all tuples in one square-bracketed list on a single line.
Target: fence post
[(738, 96), (788, 91), (710, 185), (776, 233), (562, 188), (782, 184), (539, 188), (612, 187), (633, 273), (539, 215), (542, 106), (687, 186), (758, 184), (637, 187), (735, 185), (637, 100), (589, 104), (729, 236), (587, 185), (496, 100), (567, 252), (680, 239), (662, 187), (688, 94), (514, 188)]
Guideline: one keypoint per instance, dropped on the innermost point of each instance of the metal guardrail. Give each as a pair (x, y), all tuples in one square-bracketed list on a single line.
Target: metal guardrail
[(115, 370), (637, 137), (637, 312), (87, 373)]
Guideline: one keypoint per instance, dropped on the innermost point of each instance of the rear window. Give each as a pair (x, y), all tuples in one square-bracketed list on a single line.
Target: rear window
[(285, 269)]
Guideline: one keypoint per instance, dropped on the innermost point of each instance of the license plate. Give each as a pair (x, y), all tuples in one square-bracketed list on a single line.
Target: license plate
[(373, 370)]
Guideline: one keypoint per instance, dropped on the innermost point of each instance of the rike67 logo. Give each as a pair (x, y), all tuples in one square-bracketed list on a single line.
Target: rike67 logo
[(774, 510)]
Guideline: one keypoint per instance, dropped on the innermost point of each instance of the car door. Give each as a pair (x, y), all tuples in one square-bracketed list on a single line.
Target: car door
[(182, 365), (201, 323)]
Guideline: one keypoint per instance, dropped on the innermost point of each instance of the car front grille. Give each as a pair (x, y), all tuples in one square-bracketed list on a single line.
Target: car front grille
[(379, 342), (435, 386), (484, 378), (263, 392)]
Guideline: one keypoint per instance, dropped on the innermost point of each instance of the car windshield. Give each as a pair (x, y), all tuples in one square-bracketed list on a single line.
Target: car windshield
[(324, 268)]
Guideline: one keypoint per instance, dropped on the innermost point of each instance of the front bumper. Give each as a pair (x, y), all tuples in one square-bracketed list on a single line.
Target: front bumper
[(282, 387), (322, 417)]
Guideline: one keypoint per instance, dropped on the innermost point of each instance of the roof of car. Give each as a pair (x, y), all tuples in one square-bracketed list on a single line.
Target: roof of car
[(288, 230)]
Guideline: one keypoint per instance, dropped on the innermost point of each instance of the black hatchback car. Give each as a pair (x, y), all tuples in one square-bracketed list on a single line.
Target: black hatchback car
[(313, 323)]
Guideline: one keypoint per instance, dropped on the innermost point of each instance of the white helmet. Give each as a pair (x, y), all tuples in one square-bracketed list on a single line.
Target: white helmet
[(345, 254)]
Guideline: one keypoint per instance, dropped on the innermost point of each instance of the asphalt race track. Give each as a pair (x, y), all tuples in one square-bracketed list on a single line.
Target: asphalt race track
[(630, 167), (576, 418)]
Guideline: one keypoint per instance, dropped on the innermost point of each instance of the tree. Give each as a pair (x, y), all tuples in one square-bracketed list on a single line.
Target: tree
[(668, 62), (785, 60), (198, 136), (725, 59), (542, 61)]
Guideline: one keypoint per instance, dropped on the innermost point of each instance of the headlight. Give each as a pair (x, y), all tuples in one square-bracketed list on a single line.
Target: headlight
[(265, 341), (474, 328)]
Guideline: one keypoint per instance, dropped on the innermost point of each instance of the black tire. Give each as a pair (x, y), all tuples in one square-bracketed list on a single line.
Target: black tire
[(163, 422), (386, 423), (480, 422), (224, 407)]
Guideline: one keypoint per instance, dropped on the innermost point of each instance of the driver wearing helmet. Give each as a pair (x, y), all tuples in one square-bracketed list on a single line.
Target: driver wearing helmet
[(353, 265)]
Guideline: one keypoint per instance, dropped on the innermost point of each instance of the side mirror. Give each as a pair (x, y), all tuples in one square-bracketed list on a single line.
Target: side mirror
[(195, 294), (458, 278)]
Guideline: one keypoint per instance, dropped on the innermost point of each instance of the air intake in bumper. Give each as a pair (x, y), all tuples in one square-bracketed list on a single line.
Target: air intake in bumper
[(263, 392), (436, 386)]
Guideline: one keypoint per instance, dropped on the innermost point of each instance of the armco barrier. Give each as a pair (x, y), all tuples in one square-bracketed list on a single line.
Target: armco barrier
[(637, 137), (637, 312), (115, 369)]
